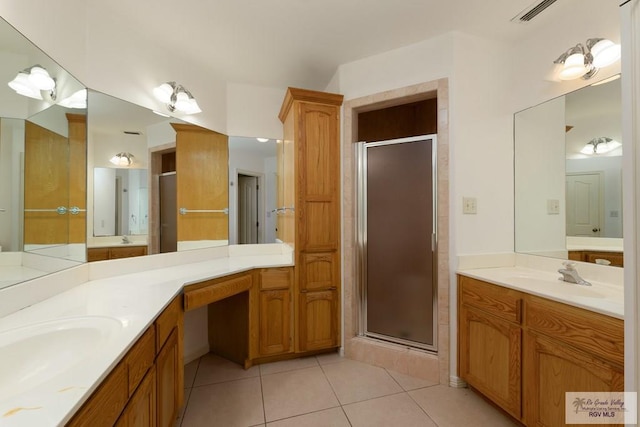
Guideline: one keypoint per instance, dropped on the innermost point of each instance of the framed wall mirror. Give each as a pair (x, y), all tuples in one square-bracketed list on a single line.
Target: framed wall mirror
[(42, 162), (568, 176)]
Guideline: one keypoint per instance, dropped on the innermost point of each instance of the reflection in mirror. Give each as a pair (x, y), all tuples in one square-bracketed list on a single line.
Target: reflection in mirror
[(173, 195), (568, 171), (252, 196), (42, 202)]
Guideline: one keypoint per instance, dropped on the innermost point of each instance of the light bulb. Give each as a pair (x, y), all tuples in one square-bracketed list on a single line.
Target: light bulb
[(182, 102), (23, 87), (41, 79), (163, 93), (573, 67), (605, 53)]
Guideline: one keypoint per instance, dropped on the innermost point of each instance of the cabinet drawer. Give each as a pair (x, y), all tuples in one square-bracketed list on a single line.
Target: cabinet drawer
[(597, 334), (126, 252), (140, 358), (97, 254), (214, 290), (167, 321), (501, 302), (275, 278)]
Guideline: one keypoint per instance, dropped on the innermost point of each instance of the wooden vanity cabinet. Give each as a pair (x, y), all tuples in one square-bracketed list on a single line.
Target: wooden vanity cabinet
[(115, 252), (524, 352), (490, 342), (146, 388)]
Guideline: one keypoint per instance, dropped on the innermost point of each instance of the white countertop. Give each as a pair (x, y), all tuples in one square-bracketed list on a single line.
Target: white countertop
[(600, 297), (134, 300)]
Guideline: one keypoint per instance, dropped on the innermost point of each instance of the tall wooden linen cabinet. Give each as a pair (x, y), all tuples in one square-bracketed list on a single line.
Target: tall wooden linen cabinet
[(309, 213)]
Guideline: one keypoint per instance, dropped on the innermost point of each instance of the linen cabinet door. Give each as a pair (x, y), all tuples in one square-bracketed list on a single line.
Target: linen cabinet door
[(318, 320), (552, 368), (489, 357)]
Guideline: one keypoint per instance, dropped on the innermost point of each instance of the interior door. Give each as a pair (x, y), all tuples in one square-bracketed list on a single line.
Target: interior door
[(247, 209), (168, 213), (584, 204)]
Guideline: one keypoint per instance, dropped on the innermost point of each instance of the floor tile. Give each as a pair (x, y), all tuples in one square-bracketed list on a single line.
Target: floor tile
[(230, 404), (444, 405), (355, 381), (298, 392), (410, 383), (327, 358), (288, 365), (394, 410), (190, 370), (214, 369), (333, 417), (187, 393)]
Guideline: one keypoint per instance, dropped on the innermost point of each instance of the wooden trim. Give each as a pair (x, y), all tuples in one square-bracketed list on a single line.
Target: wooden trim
[(181, 127), (295, 94), (78, 118)]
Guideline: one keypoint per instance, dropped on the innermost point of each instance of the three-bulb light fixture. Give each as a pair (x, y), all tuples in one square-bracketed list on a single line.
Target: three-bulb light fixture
[(32, 81), (600, 145), (584, 61), (177, 98), (122, 159)]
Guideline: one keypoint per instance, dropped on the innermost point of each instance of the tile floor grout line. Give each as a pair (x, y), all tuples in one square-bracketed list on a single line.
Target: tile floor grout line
[(329, 382), (421, 408), (186, 404), (264, 407)]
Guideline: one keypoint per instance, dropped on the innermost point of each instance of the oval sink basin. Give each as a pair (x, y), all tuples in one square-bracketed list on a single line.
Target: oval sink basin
[(34, 354)]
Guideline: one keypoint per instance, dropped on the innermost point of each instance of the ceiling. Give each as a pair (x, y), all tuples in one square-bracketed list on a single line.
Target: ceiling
[(280, 43)]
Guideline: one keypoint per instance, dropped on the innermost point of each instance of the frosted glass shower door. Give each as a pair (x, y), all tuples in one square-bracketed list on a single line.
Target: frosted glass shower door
[(397, 217)]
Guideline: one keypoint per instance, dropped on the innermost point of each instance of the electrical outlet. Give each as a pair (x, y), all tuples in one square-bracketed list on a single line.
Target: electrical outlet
[(553, 207), (469, 206)]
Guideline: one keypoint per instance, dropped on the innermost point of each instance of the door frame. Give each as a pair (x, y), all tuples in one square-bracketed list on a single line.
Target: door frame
[(233, 205), (153, 181)]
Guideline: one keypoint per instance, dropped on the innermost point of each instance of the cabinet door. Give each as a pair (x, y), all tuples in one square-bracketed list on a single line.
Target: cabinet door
[(552, 368), (318, 320), (275, 322), (141, 409), (490, 352), (169, 389)]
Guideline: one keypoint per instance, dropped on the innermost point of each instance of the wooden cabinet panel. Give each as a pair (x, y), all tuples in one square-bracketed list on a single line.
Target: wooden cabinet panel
[(318, 320), (319, 271), (167, 321), (597, 334), (552, 369), (616, 258), (499, 301), (275, 322), (77, 176), (168, 386), (97, 254), (105, 405), (489, 357), (141, 409), (202, 173), (140, 358), (211, 291)]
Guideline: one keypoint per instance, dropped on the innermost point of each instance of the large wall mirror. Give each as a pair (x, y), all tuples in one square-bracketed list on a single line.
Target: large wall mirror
[(568, 176), (42, 162)]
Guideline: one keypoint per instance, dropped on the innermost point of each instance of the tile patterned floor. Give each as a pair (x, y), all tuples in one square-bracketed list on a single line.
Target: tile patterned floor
[(323, 391)]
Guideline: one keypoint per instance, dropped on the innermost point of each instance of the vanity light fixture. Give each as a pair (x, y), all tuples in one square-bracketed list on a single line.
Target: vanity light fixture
[(31, 81), (263, 139), (177, 98), (584, 61), (600, 145), (122, 159)]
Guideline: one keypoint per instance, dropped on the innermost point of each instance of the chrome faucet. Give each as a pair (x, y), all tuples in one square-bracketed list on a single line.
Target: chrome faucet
[(125, 239), (570, 274)]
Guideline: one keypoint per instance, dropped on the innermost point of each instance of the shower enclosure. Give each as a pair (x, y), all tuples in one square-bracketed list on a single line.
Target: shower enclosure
[(397, 240)]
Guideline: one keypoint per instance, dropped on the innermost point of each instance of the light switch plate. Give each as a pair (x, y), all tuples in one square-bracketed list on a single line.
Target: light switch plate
[(469, 206), (553, 207)]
